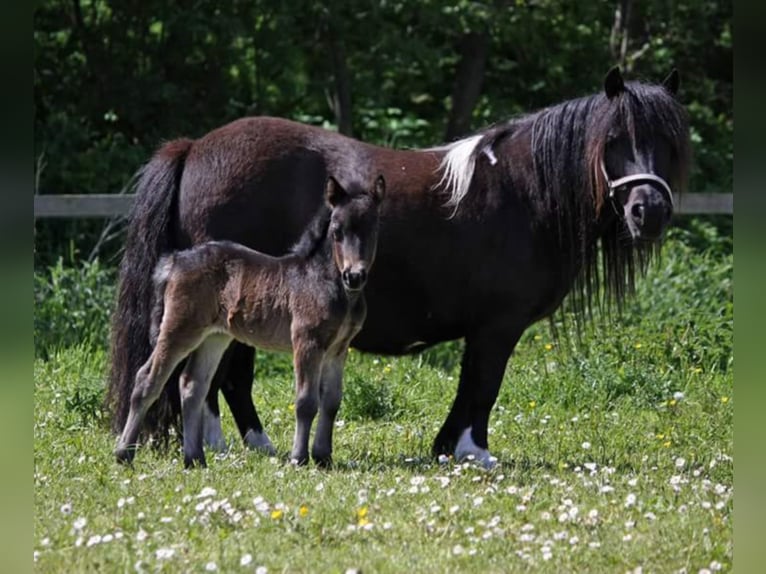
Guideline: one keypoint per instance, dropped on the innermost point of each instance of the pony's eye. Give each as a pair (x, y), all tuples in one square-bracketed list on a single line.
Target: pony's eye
[(337, 234)]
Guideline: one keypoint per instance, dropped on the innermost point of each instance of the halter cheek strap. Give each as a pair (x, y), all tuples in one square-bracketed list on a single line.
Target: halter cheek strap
[(631, 180)]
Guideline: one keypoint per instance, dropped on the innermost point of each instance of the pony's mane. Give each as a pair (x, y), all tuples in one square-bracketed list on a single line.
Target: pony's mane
[(568, 191), (314, 236)]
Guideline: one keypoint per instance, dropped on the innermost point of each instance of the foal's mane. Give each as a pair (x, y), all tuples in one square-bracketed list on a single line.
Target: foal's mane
[(568, 193), (314, 235)]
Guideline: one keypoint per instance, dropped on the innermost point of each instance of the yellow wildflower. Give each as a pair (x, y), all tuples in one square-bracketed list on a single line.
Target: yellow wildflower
[(724, 400), (303, 510), (638, 345), (276, 514), (667, 444), (532, 404), (548, 346), (362, 512), (538, 337)]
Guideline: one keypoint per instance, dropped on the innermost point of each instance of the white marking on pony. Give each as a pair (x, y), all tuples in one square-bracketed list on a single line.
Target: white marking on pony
[(212, 431), (487, 150), (260, 441), (457, 168), (466, 449)]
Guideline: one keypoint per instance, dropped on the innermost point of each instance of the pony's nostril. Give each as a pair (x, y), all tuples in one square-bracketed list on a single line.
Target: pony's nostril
[(362, 276), (346, 275), (637, 211)]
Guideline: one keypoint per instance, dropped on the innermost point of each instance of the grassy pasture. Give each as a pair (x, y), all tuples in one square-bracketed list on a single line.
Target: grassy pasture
[(615, 454)]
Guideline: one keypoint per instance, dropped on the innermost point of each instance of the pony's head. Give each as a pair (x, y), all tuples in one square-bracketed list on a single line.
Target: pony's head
[(639, 153), (353, 228)]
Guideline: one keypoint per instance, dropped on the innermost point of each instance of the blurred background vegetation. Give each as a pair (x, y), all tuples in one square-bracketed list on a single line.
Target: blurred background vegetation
[(112, 80)]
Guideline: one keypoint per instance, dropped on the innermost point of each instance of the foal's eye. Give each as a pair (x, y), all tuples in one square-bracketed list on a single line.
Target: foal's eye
[(337, 234)]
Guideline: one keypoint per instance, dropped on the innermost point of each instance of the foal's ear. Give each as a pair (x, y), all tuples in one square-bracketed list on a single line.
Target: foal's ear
[(613, 83), (333, 192), (672, 82), (379, 190)]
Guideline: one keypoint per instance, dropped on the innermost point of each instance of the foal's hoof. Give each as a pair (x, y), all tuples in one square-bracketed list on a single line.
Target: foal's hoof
[(299, 461)]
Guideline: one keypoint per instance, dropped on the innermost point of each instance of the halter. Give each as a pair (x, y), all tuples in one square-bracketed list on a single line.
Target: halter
[(631, 180)]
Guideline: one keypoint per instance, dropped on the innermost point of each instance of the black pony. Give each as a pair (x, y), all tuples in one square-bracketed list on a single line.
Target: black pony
[(479, 238)]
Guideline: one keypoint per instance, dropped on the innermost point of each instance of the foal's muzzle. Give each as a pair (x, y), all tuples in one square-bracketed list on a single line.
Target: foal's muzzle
[(354, 280)]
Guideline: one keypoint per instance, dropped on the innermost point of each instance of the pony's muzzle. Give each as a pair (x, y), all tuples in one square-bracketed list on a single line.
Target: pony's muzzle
[(354, 280), (649, 211)]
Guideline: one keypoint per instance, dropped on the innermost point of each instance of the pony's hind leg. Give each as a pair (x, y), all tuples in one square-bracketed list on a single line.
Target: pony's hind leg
[(308, 366), (150, 380), (330, 393), (194, 385), (237, 388)]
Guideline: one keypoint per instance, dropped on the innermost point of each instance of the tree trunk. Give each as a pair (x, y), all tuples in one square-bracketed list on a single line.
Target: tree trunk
[(474, 49), (340, 101), (620, 36)]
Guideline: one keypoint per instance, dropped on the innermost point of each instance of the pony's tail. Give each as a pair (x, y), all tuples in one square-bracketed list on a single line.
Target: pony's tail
[(150, 235)]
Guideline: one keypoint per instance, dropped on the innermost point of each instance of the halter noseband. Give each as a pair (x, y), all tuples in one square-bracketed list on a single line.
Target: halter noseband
[(631, 180)]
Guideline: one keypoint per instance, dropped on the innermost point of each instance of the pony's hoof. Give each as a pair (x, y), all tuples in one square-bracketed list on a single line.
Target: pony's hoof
[(259, 442), (323, 461), (467, 450), (299, 460), (197, 461), (124, 455)]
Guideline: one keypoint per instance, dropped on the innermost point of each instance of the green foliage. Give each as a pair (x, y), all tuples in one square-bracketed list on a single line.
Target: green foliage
[(73, 305), (367, 396), (111, 84)]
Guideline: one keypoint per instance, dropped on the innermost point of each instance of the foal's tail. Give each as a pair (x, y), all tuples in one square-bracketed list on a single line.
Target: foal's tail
[(150, 235), (160, 278)]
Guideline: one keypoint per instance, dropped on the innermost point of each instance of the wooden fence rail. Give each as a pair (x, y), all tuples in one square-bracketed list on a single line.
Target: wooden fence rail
[(114, 205)]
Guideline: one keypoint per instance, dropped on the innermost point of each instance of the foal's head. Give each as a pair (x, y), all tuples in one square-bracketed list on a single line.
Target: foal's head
[(353, 228), (644, 148)]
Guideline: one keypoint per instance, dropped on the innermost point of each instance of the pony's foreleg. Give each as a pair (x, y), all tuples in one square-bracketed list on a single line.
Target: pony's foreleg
[(465, 431), (150, 380), (194, 385), (307, 360), (330, 394)]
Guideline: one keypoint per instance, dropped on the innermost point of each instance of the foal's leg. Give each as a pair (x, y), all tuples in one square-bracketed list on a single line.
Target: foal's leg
[(194, 385), (150, 380), (330, 394), (308, 365), (465, 431), (237, 387)]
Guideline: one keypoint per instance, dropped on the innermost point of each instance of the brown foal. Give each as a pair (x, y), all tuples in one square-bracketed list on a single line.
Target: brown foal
[(309, 302)]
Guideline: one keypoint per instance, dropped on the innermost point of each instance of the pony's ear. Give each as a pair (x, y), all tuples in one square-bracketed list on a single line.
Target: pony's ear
[(379, 189), (334, 193), (613, 83), (672, 82)]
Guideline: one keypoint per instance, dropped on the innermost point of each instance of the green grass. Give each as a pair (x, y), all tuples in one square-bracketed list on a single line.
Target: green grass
[(601, 469)]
